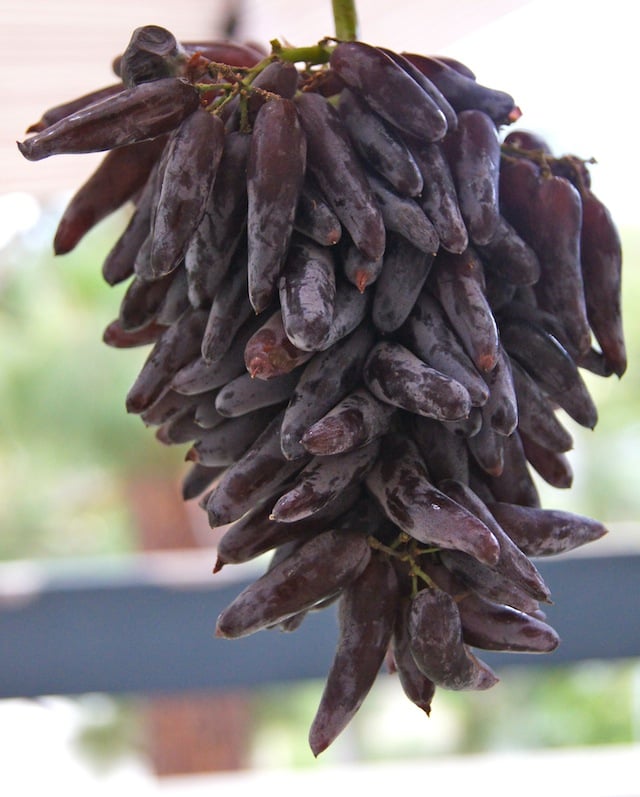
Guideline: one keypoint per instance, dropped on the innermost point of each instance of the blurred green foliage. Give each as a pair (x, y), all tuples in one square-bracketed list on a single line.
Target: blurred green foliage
[(67, 445)]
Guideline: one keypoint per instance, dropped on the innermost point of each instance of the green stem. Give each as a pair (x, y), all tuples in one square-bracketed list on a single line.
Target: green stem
[(315, 54), (345, 19)]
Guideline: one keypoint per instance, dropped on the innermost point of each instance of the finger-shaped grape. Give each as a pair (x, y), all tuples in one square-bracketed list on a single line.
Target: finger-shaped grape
[(177, 346), (327, 378), (512, 562), (601, 259), (114, 335), (269, 352), (200, 376), (119, 263), (318, 568), (417, 687), (437, 645), (554, 466), (275, 174), (226, 442), (314, 217), (557, 242), (400, 483), (216, 238), (359, 268), (494, 626), (439, 198), (354, 422), (256, 532), (119, 176), (427, 86), (487, 581), (182, 428), (245, 393), (457, 281), (253, 477), (322, 480), (58, 112), (379, 146), (366, 617), (176, 300), (405, 269), (388, 90), (167, 406), (142, 300), (404, 216), (138, 114), (500, 412), (550, 365), (428, 334), (194, 153), (463, 92), (340, 175), (229, 310), (473, 152), (395, 375), (536, 415), (197, 479), (515, 483), (307, 290), (545, 532), (547, 213), (349, 311)]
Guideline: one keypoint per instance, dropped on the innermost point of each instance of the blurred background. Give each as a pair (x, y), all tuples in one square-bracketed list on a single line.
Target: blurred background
[(82, 481)]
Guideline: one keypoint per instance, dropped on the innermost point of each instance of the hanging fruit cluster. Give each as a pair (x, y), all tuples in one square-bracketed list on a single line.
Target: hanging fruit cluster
[(367, 311)]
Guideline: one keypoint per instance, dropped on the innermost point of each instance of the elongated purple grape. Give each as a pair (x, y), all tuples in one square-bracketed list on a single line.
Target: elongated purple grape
[(122, 173), (388, 90), (275, 174), (367, 612), (333, 161), (354, 422), (395, 375), (381, 148), (322, 565), (473, 152), (307, 291), (400, 483), (194, 153), (437, 644), (137, 114), (463, 92)]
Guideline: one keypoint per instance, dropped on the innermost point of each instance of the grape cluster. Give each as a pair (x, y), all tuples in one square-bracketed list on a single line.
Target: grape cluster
[(365, 308)]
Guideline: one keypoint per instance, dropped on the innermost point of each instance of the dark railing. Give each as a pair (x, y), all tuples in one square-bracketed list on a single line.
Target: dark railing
[(145, 624)]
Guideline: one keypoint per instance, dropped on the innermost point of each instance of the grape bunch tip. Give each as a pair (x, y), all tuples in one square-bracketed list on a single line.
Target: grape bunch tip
[(368, 306)]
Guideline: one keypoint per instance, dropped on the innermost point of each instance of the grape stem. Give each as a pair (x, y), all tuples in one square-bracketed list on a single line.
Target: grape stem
[(407, 550), (314, 54), (345, 19)]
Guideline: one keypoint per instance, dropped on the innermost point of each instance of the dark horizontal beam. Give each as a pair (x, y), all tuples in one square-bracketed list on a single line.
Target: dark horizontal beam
[(148, 627)]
